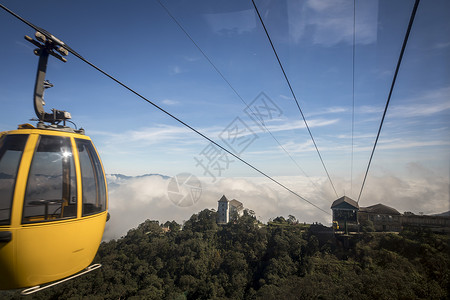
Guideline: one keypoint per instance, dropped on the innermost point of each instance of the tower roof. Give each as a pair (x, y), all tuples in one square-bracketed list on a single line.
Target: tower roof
[(223, 199), (345, 203)]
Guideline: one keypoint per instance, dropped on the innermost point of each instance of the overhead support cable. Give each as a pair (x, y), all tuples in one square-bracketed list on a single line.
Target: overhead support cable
[(293, 94), (353, 95), (234, 90), (157, 106), (405, 42)]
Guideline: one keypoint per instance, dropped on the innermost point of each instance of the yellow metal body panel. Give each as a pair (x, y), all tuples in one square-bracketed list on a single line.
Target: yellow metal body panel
[(47, 251)]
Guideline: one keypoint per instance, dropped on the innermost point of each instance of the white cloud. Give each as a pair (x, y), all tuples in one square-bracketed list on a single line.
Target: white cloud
[(293, 147), (407, 144), (175, 70), (329, 22), (300, 124), (362, 143), (426, 104), (157, 134), (284, 97), (357, 136), (191, 58), (442, 45), (368, 109), (170, 102), (328, 110), (237, 22), (389, 144), (334, 110), (428, 194), (277, 125)]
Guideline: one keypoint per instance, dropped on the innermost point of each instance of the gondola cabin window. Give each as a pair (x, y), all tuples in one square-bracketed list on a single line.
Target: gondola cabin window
[(51, 191), (11, 150), (92, 179)]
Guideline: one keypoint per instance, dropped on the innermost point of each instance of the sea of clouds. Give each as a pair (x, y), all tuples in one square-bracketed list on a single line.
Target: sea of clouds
[(132, 200)]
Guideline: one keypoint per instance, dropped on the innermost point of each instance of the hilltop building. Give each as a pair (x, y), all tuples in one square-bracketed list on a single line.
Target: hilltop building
[(383, 217), (347, 216), (228, 210)]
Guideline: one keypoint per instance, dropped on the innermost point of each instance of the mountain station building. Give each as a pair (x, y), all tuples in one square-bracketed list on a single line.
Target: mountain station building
[(347, 216)]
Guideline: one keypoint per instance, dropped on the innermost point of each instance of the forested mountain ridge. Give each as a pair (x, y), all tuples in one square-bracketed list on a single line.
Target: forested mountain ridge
[(249, 260)]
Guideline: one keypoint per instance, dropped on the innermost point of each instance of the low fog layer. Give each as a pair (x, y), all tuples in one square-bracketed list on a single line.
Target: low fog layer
[(132, 200)]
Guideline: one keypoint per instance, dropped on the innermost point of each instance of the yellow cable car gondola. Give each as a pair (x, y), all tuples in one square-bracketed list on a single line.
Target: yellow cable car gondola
[(53, 194)]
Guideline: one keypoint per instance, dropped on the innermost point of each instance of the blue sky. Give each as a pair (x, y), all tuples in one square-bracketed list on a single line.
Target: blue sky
[(140, 44)]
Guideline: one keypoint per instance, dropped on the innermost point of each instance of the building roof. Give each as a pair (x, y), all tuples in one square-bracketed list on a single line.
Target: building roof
[(223, 199), (380, 209), (344, 203), (236, 203)]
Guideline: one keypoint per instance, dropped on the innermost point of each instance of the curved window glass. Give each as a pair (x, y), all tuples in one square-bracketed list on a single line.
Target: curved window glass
[(51, 188), (11, 149), (92, 178)]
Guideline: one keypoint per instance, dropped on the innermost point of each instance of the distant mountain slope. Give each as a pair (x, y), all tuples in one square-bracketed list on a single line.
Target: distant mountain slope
[(126, 177), (115, 180)]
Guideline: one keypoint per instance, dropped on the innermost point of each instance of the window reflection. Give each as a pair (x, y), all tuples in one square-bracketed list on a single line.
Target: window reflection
[(51, 186)]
